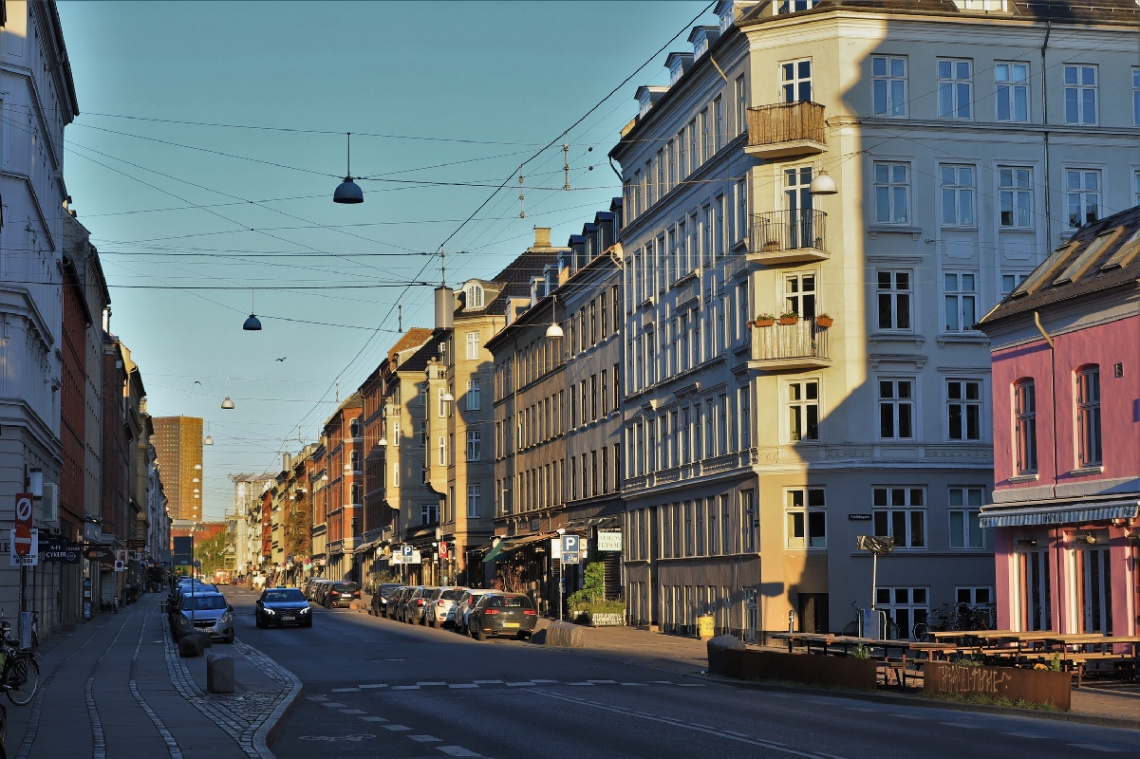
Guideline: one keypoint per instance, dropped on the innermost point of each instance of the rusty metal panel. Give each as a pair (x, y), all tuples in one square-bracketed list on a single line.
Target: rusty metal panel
[(1038, 687), (843, 672)]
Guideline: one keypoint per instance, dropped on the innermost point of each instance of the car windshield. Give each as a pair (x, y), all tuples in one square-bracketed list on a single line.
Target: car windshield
[(345, 587), (517, 601), (279, 596), (203, 603), (451, 595)]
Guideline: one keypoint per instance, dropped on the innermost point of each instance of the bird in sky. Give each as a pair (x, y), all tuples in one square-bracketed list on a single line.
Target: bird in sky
[(197, 382), (282, 358)]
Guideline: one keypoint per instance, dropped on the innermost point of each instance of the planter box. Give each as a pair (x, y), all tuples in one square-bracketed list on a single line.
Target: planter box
[(765, 322), (789, 319), (607, 620), (824, 322), (835, 671), (1030, 685)]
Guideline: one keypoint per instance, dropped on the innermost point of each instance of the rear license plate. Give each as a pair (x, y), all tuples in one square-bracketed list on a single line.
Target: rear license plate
[(510, 624)]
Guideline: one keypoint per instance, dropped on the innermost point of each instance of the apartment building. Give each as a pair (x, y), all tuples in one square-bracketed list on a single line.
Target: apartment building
[(955, 142), (343, 437)]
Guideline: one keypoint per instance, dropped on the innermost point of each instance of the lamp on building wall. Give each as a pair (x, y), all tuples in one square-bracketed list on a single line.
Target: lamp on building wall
[(348, 191), (1088, 538), (252, 324), (554, 331), (1027, 542)]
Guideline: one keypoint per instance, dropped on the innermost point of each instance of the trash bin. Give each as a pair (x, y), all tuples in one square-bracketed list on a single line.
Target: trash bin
[(705, 627)]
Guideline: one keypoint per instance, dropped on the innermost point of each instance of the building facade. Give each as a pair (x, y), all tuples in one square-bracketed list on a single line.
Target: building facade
[(178, 442)]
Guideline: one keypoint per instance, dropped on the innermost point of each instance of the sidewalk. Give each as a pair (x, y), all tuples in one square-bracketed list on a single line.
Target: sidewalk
[(116, 687)]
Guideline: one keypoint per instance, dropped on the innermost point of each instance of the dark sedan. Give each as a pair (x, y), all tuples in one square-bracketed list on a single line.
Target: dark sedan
[(340, 594), (502, 614), (283, 606)]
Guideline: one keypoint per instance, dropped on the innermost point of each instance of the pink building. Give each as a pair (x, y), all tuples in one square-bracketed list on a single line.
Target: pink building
[(1066, 385)]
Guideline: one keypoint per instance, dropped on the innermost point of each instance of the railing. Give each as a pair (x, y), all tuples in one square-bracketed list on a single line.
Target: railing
[(785, 122), (790, 342), (788, 230)]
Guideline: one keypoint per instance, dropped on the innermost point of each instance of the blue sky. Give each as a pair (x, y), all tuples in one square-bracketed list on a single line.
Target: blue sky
[(212, 135)]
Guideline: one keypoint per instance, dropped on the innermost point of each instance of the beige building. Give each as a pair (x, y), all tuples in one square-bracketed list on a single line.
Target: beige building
[(757, 452), (178, 444)]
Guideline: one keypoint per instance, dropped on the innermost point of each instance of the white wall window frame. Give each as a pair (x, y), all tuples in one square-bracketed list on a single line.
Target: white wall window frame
[(1024, 427), (796, 81), (474, 501), (965, 409), (960, 301), (802, 401), (906, 606), (800, 294), (740, 232), (974, 595), (894, 300), (473, 346), (474, 391), (1084, 188), (889, 86), (1015, 197), (898, 406), (1081, 84), (891, 191), (1011, 83), (1136, 96), (474, 296), (899, 511), (396, 433), (1010, 281), (965, 507), (682, 155), (442, 458), (474, 445), (957, 187), (741, 92), (805, 518), (955, 88), (1086, 396)]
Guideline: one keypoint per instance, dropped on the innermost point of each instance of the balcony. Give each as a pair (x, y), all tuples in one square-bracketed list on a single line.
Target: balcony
[(802, 345), (785, 237), (781, 130)]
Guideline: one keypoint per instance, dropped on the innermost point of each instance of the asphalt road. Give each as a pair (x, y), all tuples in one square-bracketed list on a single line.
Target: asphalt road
[(383, 689)]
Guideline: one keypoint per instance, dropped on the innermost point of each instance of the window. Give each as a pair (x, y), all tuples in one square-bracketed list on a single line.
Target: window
[(1088, 417), (795, 81), (894, 298), (706, 143), (396, 434), (748, 520), (682, 156), (472, 346), (1136, 96), (957, 187), (395, 474), (694, 146), (442, 451), (896, 410), (1010, 282), (892, 192), (1080, 94), (791, 6), (1011, 80), (354, 428), (474, 498), (473, 392), (474, 445), (1082, 194), (741, 209), (803, 411), (888, 85), (742, 102), (429, 513), (474, 297), (964, 409), (672, 153), (904, 606), (718, 122), (955, 89), (1016, 197), (965, 531), (901, 514), (961, 300), (1025, 426), (807, 518)]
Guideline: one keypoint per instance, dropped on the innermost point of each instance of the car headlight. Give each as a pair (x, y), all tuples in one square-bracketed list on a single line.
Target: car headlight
[(304, 611), (184, 621), (270, 611), (227, 617)]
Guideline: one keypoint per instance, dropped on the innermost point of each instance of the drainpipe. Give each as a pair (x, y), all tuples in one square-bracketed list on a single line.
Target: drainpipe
[(1045, 123)]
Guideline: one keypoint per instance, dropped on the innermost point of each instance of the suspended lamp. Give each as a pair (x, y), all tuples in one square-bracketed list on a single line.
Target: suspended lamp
[(348, 191), (554, 330), (823, 184), (252, 324)]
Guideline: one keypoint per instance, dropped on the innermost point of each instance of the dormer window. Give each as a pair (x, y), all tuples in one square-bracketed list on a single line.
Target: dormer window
[(474, 295), (983, 6), (701, 46), (795, 6), (644, 103)]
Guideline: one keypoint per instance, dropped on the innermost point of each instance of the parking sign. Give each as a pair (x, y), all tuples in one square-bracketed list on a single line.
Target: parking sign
[(570, 546)]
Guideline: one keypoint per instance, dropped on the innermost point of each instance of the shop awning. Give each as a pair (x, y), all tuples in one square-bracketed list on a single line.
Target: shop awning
[(507, 545), (1011, 515), (366, 547)]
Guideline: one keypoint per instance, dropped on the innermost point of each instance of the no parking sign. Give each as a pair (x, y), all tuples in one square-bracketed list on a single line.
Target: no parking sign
[(22, 535)]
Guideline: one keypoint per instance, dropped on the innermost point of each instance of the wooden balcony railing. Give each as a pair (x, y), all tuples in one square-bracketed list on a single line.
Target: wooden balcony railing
[(786, 129)]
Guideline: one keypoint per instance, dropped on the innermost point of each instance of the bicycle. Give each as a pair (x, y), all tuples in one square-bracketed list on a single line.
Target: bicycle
[(851, 629), (19, 674), (954, 617)]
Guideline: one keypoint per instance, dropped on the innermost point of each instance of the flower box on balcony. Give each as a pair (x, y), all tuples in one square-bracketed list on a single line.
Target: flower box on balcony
[(764, 320), (824, 321), (771, 245), (789, 318)]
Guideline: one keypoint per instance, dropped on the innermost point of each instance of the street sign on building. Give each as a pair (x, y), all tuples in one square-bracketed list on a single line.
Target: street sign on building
[(22, 534), (609, 540), (31, 557)]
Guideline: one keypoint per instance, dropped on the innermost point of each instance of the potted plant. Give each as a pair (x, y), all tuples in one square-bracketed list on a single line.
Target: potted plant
[(824, 321), (789, 317), (771, 245), (765, 320)]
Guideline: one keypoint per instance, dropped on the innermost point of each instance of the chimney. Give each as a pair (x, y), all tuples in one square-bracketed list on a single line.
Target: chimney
[(444, 308), (542, 237)]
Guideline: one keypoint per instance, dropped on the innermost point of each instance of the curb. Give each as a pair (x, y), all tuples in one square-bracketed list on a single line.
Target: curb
[(267, 733)]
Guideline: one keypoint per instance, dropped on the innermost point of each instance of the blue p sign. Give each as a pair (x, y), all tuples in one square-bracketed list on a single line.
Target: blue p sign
[(407, 550), (569, 544)]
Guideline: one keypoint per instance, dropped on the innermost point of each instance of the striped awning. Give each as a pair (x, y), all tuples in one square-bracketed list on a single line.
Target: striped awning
[(1066, 513)]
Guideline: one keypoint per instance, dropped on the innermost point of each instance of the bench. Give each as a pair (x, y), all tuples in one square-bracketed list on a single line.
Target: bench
[(1078, 663)]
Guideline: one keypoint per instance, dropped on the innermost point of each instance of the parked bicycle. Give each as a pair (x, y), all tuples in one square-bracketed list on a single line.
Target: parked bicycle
[(954, 617), (19, 673), (890, 631)]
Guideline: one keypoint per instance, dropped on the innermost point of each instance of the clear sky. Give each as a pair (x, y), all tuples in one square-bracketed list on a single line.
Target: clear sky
[(211, 137)]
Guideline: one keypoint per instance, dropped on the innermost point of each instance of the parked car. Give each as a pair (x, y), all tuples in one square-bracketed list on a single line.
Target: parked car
[(174, 602), (395, 601), (462, 609), (502, 614), (440, 607), (317, 592), (383, 592), (412, 605), (282, 606), (340, 594), (206, 612)]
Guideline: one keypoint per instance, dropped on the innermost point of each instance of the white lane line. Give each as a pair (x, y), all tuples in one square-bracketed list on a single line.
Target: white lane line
[(456, 751), (828, 756), (345, 690), (405, 687), (425, 738), (374, 719), (692, 685), (333, 705), (463, 685), (527, 684), (317, 698), (966, 725), (589, 684), (552, 682), (373, 685), (431, 683), (1021, 735), (631, 683), (678, 723), (662, 682), (352, 711), (397, 728), (603, 682), (488, 682), (1095, 747)]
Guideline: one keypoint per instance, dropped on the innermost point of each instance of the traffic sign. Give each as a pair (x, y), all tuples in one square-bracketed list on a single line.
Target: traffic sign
[(22, 535), (442, 550), (406, 550), (569, 543)]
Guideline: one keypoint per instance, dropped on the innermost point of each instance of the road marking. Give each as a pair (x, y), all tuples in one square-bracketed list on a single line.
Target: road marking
[(333, 705), (317, 698), (431, 683), (631, 683), (527, 684), (1021, 735), (662, 682), (374, 719), (1095, 747), (352, 711), (603, 682), (692, 685), (488, 682), (552, 682), (456, 751), (397, 728), (425, 738), (345, 690), (586, 683), (966, 725), (463, 685), (405, 687), (373, 685)]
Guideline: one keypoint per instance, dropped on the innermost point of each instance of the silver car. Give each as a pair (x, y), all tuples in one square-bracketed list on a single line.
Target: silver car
[(204, 613), (464, 605), (440, 609)]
